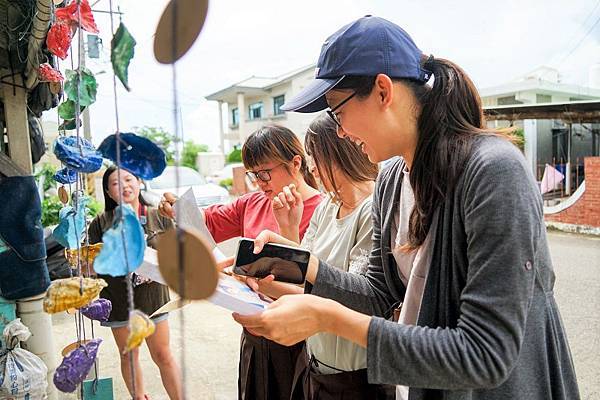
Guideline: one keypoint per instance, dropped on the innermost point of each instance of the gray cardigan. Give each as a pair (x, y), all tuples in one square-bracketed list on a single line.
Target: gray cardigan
[(489, 327)]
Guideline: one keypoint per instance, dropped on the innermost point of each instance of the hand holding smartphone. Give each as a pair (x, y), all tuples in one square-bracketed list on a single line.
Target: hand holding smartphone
[(287, 264)]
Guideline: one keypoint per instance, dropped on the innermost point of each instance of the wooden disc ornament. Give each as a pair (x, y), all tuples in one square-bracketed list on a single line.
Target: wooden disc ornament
[(200, 275), (189, 20), (63, 195)]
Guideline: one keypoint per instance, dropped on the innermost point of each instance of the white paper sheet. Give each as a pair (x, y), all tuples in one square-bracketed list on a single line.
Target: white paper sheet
[(237, 296), (230, 293), (188, 215)]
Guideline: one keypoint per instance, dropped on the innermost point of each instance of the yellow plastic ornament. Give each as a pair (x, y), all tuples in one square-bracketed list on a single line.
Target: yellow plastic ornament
[(140, 327), (71, 293), (87, 254)]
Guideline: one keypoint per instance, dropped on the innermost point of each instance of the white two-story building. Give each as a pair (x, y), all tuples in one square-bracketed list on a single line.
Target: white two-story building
[(256, 101)]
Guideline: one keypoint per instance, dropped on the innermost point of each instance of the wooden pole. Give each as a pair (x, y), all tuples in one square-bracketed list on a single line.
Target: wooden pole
[(15, 112)]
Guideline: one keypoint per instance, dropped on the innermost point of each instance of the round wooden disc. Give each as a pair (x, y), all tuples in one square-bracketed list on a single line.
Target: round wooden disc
[(189, 21), (70, 347), (71, 311), (63, 195), (199, 265)]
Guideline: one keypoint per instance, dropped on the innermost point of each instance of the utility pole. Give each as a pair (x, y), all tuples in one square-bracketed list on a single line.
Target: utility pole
[(87, 132)]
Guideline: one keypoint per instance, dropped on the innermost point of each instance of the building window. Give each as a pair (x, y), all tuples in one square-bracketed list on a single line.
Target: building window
[(543, 98), (504, 101), (255, 110), (277, 103), (235, 117)]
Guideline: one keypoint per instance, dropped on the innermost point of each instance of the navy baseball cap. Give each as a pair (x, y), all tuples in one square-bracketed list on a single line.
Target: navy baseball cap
[(366, 47)]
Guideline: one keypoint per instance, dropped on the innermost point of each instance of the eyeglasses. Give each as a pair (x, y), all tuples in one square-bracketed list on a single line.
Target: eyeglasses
[(263, 175), (335, 117)]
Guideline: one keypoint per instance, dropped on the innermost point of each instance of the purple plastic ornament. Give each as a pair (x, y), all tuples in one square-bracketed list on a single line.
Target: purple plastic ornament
[(98, 310), (75, 366)]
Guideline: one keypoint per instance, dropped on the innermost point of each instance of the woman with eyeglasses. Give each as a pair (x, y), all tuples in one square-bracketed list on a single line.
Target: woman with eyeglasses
[(274, 158), (457, 302), (148, 296), (340, 232)]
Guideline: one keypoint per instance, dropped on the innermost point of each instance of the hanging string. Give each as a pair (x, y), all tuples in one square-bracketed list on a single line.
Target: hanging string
[(129, 280), (178, 141)]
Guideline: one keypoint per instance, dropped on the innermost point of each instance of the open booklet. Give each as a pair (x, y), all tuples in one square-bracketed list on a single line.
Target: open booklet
[(230, 293)]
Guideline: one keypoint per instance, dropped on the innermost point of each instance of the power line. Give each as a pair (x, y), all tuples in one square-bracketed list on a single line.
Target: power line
[(581, 41)]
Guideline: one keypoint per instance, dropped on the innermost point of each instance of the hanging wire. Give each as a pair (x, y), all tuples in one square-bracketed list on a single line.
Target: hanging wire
[(178, 141), (129, 279)]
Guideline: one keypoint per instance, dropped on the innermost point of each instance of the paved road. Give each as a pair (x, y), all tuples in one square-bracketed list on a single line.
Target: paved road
[(212, 337)]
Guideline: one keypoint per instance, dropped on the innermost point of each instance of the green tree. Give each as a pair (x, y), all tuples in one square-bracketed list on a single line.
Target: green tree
[(190, 153), (47, 171), (519, 136), (235, 156), (162, 138)]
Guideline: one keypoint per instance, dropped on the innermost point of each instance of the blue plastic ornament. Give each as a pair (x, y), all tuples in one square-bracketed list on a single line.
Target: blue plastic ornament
[(138, 155), (111, 260), (71, 226), (65, 176), (85, 159)]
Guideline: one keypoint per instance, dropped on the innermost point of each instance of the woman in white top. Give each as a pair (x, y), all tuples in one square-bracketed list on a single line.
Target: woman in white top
[(340, 232)]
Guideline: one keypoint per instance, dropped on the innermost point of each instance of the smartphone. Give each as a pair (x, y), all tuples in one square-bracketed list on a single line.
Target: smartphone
[(288, 264)]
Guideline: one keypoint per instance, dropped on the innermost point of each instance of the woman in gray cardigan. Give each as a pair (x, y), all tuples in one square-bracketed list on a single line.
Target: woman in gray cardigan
[(459, 244)]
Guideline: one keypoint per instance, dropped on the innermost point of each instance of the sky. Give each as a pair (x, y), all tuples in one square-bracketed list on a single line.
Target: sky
[(494, 41)]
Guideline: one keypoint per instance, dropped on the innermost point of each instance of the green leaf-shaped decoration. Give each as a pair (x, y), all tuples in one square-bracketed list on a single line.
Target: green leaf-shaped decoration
[(67, 109), (87, 88), (121, 53)]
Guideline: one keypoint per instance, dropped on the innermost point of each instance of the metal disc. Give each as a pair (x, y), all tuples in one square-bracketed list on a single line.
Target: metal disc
[(189, 21), (200, 275)]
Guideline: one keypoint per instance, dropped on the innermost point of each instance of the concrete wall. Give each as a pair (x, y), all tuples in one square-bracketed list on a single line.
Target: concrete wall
[(586, 210)]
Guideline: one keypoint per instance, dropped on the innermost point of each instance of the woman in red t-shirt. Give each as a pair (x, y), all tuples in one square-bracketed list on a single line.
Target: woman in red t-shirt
[(274, 158)]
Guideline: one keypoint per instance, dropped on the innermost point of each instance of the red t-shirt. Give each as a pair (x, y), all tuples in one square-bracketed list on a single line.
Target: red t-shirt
[(249, 215)]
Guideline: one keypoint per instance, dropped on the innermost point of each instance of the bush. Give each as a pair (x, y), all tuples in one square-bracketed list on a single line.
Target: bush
[(50, 209), (227, 183), (235, 156)]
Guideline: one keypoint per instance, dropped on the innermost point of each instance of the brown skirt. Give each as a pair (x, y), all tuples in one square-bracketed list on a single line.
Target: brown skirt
[(348, 385), (266, 369)]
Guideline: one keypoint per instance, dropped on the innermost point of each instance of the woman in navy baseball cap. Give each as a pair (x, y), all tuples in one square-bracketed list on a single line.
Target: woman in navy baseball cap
[(458, 299)]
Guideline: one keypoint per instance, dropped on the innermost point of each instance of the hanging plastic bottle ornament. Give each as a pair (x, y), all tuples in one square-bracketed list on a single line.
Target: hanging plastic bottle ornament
[(65, 176), (113, 260), (138, 155), (75, 366), (85, 256), (78, 154), (97, 310), (121, 53), (70, 13), (48, 74), (71, 225), (88, 87), (140, 327), (66, 110), (59, 39), (72, 292)]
